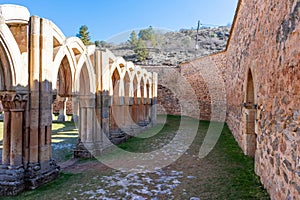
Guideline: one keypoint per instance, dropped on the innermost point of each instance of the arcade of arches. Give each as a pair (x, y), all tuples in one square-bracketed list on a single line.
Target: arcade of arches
[(111, 98), (260, 70)]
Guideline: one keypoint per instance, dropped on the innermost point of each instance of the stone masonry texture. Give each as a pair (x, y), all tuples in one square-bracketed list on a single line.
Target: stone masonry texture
[(265, 41)]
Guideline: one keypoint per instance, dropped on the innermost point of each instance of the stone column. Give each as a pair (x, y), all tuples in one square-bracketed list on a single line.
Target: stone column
[(14, 107), (126, 111), (153, 112), (105, 112), (62, 116), (6, 138), (141, 118), (147, 121), (75, 109), (97, 124), (12, 168), (85, 147), (16, 129), (130, 112)]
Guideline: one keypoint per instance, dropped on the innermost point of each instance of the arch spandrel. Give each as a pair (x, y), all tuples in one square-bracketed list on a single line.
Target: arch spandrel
[(15, 75), (58, 35)]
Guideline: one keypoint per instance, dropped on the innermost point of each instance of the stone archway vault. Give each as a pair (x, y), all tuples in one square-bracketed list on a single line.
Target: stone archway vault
[(32, 63)]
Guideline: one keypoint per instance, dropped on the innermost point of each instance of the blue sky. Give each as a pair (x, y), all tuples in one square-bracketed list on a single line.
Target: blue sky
[(108, 18)]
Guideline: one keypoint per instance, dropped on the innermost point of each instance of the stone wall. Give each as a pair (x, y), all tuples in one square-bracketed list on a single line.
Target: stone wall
[(182, 91), (264, 47)]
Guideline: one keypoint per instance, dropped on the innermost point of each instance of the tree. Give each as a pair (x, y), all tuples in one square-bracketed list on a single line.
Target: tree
[(153, 40), (145, 34), (141, 50), (148, 34), (133, 39), (97, 43), (84, 35)]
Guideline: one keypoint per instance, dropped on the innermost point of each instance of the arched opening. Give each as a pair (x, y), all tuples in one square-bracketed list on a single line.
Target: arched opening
[(147, 104), (64, 132), (13, 105), (113, 117), (62, 96), (141, 121), (250, 90), (126, 112), (4, 134), (249, 117), (85, 104), (134, 112)]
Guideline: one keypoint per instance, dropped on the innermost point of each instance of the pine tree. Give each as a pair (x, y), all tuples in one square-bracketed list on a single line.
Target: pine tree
[(84, 35), (133, 39), (141, 50), (97, 43)]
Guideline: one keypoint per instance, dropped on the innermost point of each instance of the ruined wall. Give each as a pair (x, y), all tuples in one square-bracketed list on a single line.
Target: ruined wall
[(171, 99), (265, 43)]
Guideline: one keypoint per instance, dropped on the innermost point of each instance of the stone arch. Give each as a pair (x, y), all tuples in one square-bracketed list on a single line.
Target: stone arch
[(142, 89), (117, 68), (141, 117), (90, 82), (115, 101), (249, 113), (115, 79), (127, 103), (134, 112), (13, 97), (63, 89), (127, 85), (84, 105), (11, 61), (68, 51), (148, 100), (250, 98), (58, 36), (65, 79)]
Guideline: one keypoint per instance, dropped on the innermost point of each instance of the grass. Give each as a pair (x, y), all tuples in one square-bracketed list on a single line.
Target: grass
[(224, 174), (64, 139)]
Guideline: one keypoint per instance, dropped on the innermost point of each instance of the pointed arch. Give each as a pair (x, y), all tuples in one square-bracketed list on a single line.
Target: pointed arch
[(250, 88), (127, 83), (89, 72), (11, 60)]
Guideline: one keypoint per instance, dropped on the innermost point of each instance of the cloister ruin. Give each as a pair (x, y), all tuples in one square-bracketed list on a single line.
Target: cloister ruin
[(111, 98), (260, 69)]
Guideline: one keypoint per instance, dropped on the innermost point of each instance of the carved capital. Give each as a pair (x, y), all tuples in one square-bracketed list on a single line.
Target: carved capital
[(13, 100)]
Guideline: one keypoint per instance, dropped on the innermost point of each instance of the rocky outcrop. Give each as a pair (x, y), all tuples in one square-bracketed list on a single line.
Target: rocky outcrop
[(176, 47)]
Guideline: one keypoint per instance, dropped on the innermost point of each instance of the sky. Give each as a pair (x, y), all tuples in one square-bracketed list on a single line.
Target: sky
[(108, 19)]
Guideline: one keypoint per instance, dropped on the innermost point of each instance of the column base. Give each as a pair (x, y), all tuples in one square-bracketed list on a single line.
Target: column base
[(74, 118), (35, 177), (81, 151), (118, 136), (11, 180), (62, 118), (142, 123)]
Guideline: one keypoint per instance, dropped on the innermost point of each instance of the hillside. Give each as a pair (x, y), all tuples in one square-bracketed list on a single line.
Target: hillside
[(173, 48)]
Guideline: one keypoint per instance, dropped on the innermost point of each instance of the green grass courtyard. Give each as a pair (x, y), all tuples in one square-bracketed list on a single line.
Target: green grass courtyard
[(224, 174)]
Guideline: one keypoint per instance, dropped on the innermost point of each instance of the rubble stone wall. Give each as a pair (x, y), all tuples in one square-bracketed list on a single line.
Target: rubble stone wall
[(264, 42)]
